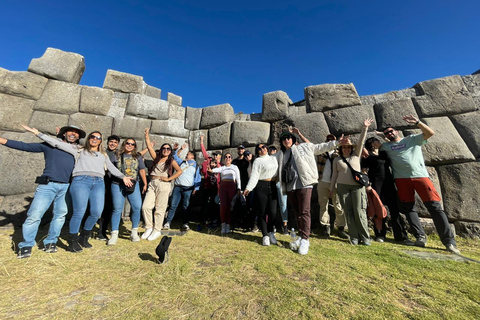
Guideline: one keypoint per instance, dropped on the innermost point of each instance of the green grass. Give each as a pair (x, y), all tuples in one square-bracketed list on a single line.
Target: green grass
[(209, 276)]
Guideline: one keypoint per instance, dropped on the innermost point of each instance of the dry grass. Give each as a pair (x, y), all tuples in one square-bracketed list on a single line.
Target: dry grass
[(229, 278)]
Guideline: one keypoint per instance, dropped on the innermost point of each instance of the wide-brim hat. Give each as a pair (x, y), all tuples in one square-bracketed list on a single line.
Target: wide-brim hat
[(64, 129), (348, 143)]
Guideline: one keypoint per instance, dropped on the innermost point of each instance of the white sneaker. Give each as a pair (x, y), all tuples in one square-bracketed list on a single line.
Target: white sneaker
[(227, 228), (273, 240), (304, 244), (266, 241), (166, 226), (147, 233), (295, 244), (155, 235), (223, 228), (113, 238), (134, 235)]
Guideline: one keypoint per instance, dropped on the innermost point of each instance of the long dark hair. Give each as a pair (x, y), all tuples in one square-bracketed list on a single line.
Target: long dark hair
[(369, 143), (135, 154), (168, 163)]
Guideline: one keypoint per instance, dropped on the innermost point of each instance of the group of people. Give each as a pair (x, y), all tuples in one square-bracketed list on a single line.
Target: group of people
[(264, 184)]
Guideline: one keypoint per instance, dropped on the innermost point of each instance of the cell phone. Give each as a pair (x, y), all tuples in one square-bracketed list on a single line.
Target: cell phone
[(42, 180)]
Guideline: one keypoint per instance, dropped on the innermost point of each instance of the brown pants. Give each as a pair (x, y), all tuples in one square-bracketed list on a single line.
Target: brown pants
[(300, 202)]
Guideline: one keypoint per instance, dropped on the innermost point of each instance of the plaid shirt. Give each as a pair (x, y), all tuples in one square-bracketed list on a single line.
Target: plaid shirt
[(322, 160)]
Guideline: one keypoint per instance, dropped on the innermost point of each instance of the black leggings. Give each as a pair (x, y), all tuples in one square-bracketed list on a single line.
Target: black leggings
[(265, 204)]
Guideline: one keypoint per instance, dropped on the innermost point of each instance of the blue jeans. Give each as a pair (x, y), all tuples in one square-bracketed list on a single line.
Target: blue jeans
[(44, 196), (178, 193), (282, 202), (118, 198), (85, 189)]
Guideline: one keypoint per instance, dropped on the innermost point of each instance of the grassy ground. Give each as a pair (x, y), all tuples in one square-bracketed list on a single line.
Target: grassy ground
[(209, 276)]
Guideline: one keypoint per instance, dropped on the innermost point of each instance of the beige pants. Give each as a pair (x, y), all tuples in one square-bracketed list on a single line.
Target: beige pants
[(156, 197), (323, 190)]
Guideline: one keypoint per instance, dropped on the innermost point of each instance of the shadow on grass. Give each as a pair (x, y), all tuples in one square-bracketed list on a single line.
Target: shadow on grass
[(147, 257)]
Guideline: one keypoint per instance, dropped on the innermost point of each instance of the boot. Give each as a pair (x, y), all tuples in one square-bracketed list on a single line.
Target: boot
[(113, 238), (134, 235), (73, 245), (83, 238)]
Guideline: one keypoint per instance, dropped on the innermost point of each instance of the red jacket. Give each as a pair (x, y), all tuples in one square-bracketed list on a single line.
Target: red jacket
[(375, 208)]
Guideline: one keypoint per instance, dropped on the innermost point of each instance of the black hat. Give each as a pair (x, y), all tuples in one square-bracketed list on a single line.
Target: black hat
[(247, 152), (288, 134), (64, 129), (241, 146)]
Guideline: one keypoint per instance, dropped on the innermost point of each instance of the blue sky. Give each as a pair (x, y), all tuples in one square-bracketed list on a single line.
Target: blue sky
[(212, 52)]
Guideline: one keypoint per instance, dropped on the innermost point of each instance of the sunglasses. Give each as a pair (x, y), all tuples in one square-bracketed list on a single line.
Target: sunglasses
[(286, 138), (388, 132), (130, 144), (167, 149), (96, 137), (228, 157), (263, 147)]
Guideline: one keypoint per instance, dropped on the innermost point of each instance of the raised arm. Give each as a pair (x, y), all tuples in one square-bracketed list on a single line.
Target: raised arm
[(295, 130), (363, 135), (202, 146), (426, 130), (67, 147), (152, 152)]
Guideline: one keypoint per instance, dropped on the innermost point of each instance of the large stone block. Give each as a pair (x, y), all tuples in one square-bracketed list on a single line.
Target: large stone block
[(22, 84), (174, 99), (275, 106), (468, 126), (119, 105), (312, 125), (461, 195), (172, 127), (349, 120), (19, 168), (250, 133), (470, 230), (47, 122), (216, 115), (242, 117), (389, 96), (13, 209), (296, 110), (59, 65), (91, 122), (445, 146), (153, 92), (390, 113), (444, 96), (124, 82), (147, 107), (330, 96), (219, 137), (60, 97), (130, 127), (176, 112), (193, 118), (14, 111), (95, 100), (194, 140)]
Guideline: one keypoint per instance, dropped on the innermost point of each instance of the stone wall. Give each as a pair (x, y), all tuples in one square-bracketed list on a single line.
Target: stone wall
[(49, 95)]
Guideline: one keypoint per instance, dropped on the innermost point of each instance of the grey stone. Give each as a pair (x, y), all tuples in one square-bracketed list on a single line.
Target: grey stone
[(469, 230), (349, 120), (461, 195), (468, 126), (174, 99), (296, 110), (19, 168), (47, 122), (444, 96), (312, 125), (242, 117), (91, 122), (216, 115), (194, 139), (147, 107), (219, 137), (176, 112), (14, 208), (22, 84), (391, 113), (59, 65), (193, 118), (445, 146), (3, 74), (250, 133), (172, 127), (330, 96), (119, 105), (368, 100), (130, 127), (153, 92), (473, 85), (14, 112), (275, 106), (60, 97), (256, 117), (124, 82), (95, 100)]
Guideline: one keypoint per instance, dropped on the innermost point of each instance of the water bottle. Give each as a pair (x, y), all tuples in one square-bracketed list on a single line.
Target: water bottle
[(293, 243)]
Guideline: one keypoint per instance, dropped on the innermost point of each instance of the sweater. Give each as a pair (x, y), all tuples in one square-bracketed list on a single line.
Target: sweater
[(229, 172), (264, 167)]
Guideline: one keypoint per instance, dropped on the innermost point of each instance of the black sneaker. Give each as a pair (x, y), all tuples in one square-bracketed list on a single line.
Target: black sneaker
[(100, 236), (342, 234), (408, 242), (50, 248), (285, 230), (24, 252), (421, 241)]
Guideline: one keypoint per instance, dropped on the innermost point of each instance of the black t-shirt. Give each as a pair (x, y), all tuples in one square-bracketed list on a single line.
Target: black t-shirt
[(242, 165)]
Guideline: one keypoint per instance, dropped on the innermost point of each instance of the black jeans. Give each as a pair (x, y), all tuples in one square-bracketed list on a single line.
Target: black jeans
[(265, 204)]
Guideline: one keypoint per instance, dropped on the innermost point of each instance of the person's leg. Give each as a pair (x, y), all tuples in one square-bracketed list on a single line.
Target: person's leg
[(186, 194), (161, 204), (323, 192), (149, 204), (118, 201), (80, 191), (44, 195), (271, 206), (231, 191), (406, 194), (224, 203), (97, 200), (339, 214), (282, 202), (345, 197), (304, 196), (135, 199), (260, 205), (59, 212), (359, 202), (176, 197), (390, 197)]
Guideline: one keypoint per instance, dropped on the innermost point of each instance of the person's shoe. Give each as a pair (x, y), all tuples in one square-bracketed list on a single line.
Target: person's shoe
[(266, 241), (113, 238), (83, 238), (147, 233), (342, 234), (227, 228), (24, 252), (100, 236), (380, 239), (50, 248), (324, 231), (304, 245), (255, 227), (166, 226), (73, 245), (421, 241), (154, 236), (285, 230), (295, 244), (353, 241), (134, 235), (223, 228), (273, 240), (408, 242), (367, 242), (452, 248), (185, 227)]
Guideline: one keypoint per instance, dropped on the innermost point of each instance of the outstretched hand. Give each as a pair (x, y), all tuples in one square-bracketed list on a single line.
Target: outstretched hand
[(32, 130), (128, 181), (410, 119), (146, 131), (344, 139), (368, 122)]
